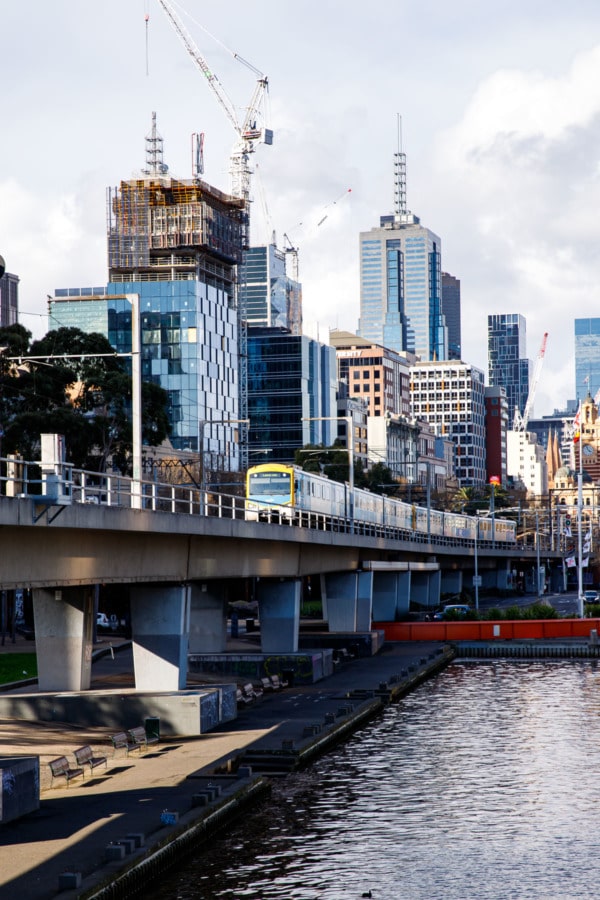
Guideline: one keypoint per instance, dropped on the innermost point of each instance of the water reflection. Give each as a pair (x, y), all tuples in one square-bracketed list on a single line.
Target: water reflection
[(480, 784)]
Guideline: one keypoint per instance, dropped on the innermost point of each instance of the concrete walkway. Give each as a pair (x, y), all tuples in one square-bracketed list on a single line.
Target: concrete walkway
[(75, 825)]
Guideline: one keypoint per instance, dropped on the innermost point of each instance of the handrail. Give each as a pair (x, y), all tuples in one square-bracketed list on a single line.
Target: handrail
[(62, 484)]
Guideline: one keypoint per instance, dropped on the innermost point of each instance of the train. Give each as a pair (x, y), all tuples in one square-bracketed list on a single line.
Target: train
[(276, 492)]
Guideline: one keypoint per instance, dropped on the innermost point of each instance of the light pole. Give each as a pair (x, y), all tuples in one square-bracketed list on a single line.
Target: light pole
[(580, 533), (476, 575)]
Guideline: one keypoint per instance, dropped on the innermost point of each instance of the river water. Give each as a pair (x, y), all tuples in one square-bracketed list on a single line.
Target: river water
[(483, 784)]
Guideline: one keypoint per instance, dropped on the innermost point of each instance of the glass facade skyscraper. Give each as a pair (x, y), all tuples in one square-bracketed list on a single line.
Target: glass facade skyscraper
[(9, 299), (401, 288), (189, 347), (292, 383), (507, 365), (451, 311), (587, 357), (270, 298)]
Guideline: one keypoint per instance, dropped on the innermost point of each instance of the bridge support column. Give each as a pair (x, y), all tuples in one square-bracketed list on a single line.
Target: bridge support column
[(159, 628), (208, 618), (279, 611), (63, 637), (391, 595), (425, 589), (452, 581), (348, 600)]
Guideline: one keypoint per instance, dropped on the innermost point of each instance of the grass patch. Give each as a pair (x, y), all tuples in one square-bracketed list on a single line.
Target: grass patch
[(17, 666)]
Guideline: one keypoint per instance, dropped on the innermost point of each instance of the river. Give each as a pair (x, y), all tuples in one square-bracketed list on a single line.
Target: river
[(480, 785)]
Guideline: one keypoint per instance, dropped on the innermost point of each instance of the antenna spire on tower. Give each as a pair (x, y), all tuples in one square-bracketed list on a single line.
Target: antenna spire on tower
[(154, 152), (399, 174)]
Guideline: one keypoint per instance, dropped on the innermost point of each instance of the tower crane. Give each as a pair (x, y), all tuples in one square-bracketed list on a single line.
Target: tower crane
[(248, 132), (520, 421)]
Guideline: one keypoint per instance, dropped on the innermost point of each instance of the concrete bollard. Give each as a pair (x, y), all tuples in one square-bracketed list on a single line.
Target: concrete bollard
[(199, 800), (244, 772), (329, 718), (114, 852), (137, 837), (288, 745), (69, 880), (129, 845), (594, 637)]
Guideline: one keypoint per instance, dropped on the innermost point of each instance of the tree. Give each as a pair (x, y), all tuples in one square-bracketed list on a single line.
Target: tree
[(86, 398)]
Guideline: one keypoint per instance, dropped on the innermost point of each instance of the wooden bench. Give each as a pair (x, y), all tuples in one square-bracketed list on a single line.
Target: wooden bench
[(61, 768), (85, 757)]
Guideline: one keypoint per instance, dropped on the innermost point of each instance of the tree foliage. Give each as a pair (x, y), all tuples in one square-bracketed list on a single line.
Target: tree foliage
[(87, 398)]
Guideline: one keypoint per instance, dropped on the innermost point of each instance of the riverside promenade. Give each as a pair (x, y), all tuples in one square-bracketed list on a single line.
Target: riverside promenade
[(145, 810)]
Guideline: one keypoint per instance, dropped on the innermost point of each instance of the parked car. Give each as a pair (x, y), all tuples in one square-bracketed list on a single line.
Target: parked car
[(452, 611), (591, 597)]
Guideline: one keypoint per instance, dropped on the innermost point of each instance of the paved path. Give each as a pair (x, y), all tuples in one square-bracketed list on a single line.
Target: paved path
[(74, 825)]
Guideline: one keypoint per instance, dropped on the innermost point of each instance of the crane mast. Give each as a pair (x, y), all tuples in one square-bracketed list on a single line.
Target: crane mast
[(248, 133), (520, 421)]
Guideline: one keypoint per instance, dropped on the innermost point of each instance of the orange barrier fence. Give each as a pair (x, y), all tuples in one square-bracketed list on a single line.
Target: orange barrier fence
[(512, 629)]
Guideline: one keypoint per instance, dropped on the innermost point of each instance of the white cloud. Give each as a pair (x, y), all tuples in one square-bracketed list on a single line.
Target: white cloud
[(520, 173)]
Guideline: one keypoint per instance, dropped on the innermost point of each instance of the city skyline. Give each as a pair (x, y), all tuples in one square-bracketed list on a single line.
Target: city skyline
[(501, 147)]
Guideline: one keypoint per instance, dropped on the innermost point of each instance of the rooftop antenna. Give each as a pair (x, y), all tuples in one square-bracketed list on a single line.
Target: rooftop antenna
[(399, 174), (154, 152)]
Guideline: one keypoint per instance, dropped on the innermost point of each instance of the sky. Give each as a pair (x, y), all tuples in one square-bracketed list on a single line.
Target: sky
[(500, 111)]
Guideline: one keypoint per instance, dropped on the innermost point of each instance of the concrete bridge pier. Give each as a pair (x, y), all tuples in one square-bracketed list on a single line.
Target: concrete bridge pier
[(63, 635), (160, 624), (279, 611), (425, 588), (348, 600), (208, 617), (391, 595), (452, 581)]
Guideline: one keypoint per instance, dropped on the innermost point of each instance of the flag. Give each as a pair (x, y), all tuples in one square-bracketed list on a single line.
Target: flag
[(587, 547), (570, 561), (567, 532), (577, 424), (585, 562)]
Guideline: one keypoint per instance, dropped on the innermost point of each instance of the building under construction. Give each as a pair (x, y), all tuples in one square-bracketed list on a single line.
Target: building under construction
[(176, 244), (166, 229)]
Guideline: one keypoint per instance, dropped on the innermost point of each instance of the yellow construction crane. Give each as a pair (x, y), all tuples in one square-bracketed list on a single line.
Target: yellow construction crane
[(249, 132)]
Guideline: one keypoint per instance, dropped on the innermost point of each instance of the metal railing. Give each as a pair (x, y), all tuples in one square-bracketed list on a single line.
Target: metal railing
[(61, 484)]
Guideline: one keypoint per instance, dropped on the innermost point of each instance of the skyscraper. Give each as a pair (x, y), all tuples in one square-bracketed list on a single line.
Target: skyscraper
[(269, 296), (401, 282), (507, 365), (451, 312), (9, 299), (587, 357), (175, 243), (450, 396)]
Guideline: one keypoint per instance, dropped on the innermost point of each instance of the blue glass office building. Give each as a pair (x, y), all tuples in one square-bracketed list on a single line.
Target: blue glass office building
[(507, 365), (401, 288), (270, 298), (189, 347), (292, 379), (587, 357)]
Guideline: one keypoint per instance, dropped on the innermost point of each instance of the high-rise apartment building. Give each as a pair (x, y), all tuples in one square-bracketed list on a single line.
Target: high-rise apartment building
[(401, 281), (587, 357), (508, 366), (449, 396), (451, 312), (9, 299), (175, 244), (270, 298)]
